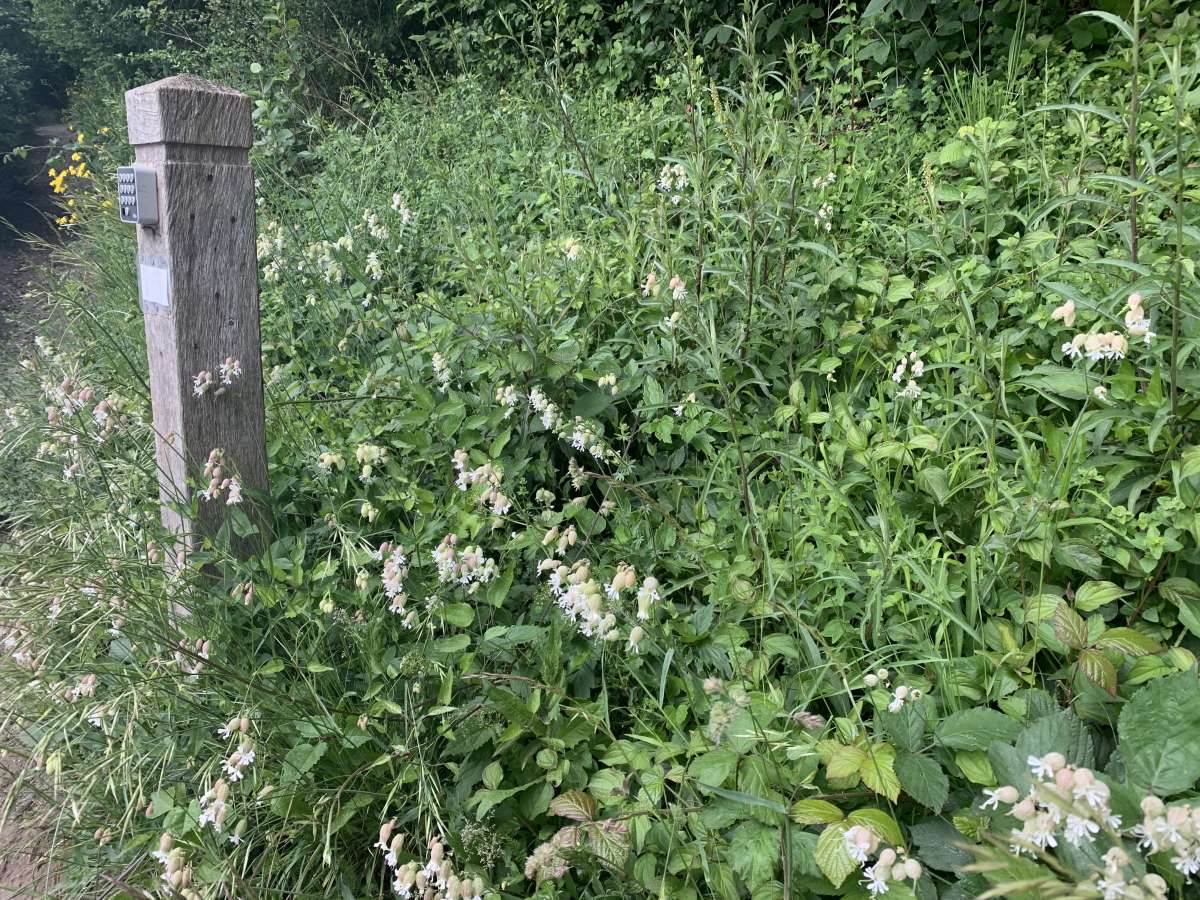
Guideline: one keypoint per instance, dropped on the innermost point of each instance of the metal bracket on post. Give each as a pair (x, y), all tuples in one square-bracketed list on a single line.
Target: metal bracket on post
[(198, 281)]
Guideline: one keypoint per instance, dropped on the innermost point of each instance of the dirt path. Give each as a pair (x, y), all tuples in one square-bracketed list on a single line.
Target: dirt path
[(28, 210)]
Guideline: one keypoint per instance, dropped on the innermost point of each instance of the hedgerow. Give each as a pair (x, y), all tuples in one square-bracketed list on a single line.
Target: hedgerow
[(783, 487)]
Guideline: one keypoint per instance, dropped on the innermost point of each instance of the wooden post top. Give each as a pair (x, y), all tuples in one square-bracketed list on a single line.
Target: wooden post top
[(187, 109)]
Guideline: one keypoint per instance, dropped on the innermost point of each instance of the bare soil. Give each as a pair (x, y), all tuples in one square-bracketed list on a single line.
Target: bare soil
[(27, 212)]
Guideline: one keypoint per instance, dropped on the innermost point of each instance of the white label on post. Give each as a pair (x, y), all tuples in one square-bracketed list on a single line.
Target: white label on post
[(154, 283)]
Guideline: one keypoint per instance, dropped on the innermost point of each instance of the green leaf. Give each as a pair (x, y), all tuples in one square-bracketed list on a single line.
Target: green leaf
[(455, 643), (713, 767), (878, 771), (975, 729), (1079, 555), (1096, 667), (845, 761), (904, 728), (1069, 627), (1094, 594), (938, 845), (831, 854), (934, 481), (1062, 732), (574, 805), (753, 852), (975, 766), (923, 780), (878, 821), (814, 812), (1129, 642), (459, 614), (299, 760), (1159, 730)]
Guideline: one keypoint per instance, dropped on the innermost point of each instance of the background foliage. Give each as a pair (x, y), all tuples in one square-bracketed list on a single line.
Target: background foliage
[(805, 315)]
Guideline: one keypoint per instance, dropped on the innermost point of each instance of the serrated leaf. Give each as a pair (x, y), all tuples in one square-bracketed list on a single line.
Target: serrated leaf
[(1094, 594), (923, 779), (753, 852), (845, 761), (878, 771), (1129, 642), (937, 843), (574, 805), (713, 767), (831, 854), (814, 812), (975, 729), (299, 760), (1098, 669), (1062, 732), (905, 729), (1159, 730)]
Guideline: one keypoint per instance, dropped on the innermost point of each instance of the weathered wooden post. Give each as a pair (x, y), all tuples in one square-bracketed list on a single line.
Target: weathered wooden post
[(198, 284)]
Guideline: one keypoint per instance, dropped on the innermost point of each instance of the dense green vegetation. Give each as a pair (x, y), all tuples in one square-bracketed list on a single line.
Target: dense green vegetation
[(761, 464)]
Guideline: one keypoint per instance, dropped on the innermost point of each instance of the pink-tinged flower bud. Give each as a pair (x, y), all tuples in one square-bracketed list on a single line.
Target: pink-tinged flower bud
[(1064, 778), (1083, 778), (1007, 794), (1152, 807), (1025, 810), (165, 843), (897, 872), (1054, 760), (86, 395), (244, 724), (397, 842), (887, 857), (912, 869)]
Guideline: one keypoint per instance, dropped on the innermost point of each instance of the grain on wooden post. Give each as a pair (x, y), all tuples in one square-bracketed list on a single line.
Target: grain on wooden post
[(201, 259)]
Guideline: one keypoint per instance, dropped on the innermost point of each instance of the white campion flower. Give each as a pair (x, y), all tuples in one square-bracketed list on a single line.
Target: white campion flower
[(860, 842), (677, 287), (1064, 314)]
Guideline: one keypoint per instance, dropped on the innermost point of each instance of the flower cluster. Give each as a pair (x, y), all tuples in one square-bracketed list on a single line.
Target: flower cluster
[(672, 179), (218, 481), (369, 456), (441, 371), (468, 567), (1174, 830), (435, 880), (375, 227), (580, 433), (1097, 346), (407, 216), (608, 381), (486, 476), (891, 865), (1111, 345), (912, 366), (227, 373), (822, 218), (395, 571), (177, 874), (191, 659), (239, 760), (571, 248), (580, 597), (1064, 801)]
